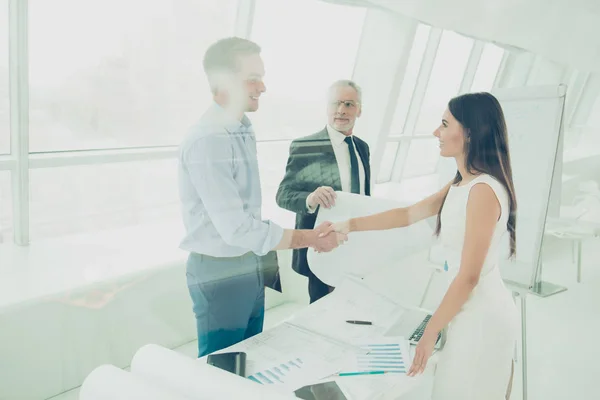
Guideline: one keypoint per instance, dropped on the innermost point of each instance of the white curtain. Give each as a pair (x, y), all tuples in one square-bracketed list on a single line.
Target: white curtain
[(564, 31)]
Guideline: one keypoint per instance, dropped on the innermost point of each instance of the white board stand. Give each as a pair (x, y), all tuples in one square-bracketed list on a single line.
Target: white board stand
[(546, 289), (538, 286)]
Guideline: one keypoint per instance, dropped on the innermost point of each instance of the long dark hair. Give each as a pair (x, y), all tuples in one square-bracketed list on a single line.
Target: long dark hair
[(486, 148)]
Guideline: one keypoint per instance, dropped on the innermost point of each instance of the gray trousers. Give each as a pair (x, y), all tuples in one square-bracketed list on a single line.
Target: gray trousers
[(228, 298)]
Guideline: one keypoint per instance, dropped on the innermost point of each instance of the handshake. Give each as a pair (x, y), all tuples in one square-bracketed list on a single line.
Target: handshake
[(329, 236)]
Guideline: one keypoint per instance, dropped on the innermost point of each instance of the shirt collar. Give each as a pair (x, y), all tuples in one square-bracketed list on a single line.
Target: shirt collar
[(336, 137), (231, 123)]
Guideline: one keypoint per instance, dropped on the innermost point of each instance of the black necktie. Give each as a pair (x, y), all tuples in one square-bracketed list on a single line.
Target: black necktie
[(354, 177)]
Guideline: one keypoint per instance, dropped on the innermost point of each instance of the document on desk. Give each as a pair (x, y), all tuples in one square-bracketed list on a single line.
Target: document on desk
[(389, 355), (291, 373), (286, 344), (352, 300), (386, 355)]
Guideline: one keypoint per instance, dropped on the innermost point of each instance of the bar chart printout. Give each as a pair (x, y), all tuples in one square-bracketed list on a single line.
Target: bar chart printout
[(280, 373), (381, 357)]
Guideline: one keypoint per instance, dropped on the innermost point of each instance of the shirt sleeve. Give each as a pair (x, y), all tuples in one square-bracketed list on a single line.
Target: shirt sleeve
[(209, 163), (309, 209)]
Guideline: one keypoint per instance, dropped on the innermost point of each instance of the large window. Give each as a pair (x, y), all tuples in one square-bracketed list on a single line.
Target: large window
[(4, 92), (5, 208), (421, 158), (593, 121), (307, 45), (444, 83), (387, 162), (588, 143), (68, 200), (487, 69), (272, 159), (73, 199), (410, 79), (119, 73), (418, 153)]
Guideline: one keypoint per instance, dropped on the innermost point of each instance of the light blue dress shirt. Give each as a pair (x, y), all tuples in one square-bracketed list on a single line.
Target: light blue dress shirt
[(219, 189)]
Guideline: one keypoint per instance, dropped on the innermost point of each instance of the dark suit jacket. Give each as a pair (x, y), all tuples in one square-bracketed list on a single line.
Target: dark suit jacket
[(312, 164)]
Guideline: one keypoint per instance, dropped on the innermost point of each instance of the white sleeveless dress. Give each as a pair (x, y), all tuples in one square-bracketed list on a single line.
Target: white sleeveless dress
[(476, 361)]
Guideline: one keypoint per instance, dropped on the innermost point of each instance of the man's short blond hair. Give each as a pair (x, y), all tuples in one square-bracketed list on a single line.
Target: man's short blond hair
[(222, 57)]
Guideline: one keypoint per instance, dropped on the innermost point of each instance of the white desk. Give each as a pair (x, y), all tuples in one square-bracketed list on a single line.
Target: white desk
[(298, 336)]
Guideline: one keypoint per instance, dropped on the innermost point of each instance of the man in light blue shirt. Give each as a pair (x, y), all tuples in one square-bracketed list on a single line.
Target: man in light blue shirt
[(220, 192)]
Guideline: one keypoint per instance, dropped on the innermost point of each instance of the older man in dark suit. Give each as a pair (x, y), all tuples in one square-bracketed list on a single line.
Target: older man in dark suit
[(320, 164)]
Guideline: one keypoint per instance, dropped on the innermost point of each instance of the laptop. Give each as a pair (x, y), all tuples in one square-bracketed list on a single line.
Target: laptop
[(411, 324)]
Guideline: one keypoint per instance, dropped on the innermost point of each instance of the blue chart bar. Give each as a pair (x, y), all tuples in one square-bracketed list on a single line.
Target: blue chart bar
[(276, 374), (272, 375), (381, 357), (263, 378), (377, 357), (381, 362)]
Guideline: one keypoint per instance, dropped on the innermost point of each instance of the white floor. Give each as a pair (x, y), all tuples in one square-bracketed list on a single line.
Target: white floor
[(562, 330), (563, 357)]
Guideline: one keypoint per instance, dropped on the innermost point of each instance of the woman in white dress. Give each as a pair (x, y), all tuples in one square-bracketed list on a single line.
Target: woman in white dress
[(475, 210)]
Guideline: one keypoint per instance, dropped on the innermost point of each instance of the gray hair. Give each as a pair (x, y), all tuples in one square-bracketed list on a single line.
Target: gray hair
[(348, 82)]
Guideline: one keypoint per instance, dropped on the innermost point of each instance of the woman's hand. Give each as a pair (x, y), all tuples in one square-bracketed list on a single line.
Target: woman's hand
[(342, 227), (327, 238), (422, 353)]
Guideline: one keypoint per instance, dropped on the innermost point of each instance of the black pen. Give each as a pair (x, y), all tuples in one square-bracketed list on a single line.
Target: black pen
[(360, 322)]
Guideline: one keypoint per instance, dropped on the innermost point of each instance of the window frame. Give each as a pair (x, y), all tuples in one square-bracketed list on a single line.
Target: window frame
[(21, 160), (427, 63)]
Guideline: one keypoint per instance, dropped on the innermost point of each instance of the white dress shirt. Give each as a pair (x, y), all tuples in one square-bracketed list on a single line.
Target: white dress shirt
[(342, 156), (220, 190)]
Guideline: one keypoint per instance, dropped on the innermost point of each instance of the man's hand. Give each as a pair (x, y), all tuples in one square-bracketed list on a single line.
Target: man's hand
[(342, 227), (329, 241), (324, 196)]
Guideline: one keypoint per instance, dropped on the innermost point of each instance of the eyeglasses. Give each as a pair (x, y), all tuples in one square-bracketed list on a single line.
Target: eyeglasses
[(348, 104)]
